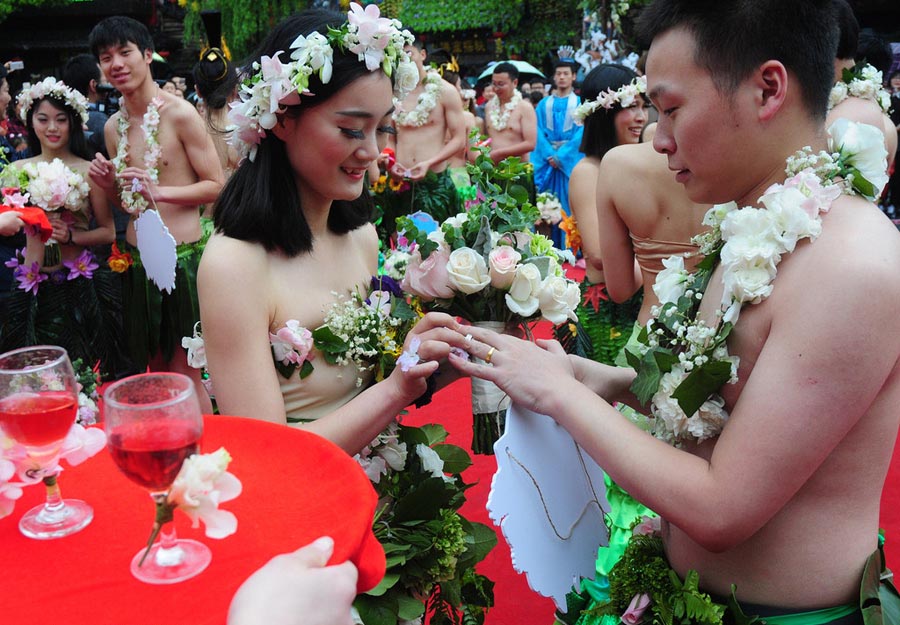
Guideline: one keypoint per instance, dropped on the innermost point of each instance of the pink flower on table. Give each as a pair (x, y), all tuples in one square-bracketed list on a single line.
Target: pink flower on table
[(292, 343), (29, 278), (202, 484), (429, 278), (636, 609), (83, 266), (82, 443), (9, 491)]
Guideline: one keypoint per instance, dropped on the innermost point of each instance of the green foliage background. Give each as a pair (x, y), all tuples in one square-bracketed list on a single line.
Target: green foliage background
[(8, 6)]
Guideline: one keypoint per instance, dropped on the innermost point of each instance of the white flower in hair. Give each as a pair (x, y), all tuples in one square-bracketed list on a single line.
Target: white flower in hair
[(58, 90), (625, 96)]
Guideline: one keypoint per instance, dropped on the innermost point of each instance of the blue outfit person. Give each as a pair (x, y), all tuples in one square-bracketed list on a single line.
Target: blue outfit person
[(558, 136)]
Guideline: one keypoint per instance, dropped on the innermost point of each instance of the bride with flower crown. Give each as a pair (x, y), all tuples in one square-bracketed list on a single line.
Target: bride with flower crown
[(292, 233), (63, 294)]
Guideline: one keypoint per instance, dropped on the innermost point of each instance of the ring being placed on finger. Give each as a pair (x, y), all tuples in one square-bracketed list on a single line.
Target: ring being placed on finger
[(489, 355)]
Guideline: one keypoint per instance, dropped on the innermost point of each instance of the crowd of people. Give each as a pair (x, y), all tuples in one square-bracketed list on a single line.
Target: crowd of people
[(767, 486)]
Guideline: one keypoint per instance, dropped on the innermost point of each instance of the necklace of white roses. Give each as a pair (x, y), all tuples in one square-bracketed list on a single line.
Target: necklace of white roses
[(682, 362), (425, 103), (862, 81), (130, 196), (499, 116)]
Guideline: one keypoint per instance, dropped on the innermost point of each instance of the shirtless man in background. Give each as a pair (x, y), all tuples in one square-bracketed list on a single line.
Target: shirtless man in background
[(509, 120)]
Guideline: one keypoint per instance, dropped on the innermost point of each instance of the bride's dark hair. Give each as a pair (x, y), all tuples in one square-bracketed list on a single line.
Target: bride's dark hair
[(260, 202), (599, 128)]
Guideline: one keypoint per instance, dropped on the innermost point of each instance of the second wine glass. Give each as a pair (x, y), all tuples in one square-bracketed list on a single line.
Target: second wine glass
[(153, 423)]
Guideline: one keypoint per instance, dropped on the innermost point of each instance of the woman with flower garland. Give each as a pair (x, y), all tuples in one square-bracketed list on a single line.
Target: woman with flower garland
[(63, 296), (292, 232), (614, 114), (215, 80), (774, 423)]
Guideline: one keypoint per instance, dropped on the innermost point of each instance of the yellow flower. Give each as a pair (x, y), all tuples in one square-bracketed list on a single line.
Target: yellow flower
[(395, 185)]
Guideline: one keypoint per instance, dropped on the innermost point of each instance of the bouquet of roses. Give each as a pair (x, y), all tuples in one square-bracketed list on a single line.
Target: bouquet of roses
[(431, 549), (488, 267)]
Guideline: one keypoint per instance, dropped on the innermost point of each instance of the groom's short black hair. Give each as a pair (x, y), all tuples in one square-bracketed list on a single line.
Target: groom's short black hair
[(733, 37)]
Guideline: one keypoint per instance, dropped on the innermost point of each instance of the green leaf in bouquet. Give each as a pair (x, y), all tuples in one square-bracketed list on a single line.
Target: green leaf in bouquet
[(434, 433), (424, 501), (634, 359), (409, 608), (377, 610), (480, 540), (456, 459), (306, 368), (451, 592), (700, 384), (387, 582), (328, 342), (483, 244), (665, 359), (646, 383), (286, 370), (519, 193), (862, 185), (396, 560)]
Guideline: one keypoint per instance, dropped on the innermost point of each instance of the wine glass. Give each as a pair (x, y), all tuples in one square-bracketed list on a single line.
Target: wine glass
[(153, 423), (38, 405)]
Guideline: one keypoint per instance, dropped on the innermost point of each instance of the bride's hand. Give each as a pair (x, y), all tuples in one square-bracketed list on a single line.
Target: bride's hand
[(530, 373), (426, 344)]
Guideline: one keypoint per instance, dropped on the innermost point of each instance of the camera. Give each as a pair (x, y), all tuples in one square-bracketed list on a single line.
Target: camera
[(109, 98), (15, 65)]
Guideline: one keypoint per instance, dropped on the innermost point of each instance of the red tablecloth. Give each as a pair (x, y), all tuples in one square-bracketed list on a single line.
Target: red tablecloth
[(84, 578)]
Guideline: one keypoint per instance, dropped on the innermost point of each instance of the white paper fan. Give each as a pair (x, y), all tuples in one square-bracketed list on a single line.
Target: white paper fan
[(549, 499)]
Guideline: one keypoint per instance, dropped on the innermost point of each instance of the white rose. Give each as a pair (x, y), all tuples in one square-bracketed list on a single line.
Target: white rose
[(502, 262), (749, 281), (407, 77), (467, 270), (671, 281), (431, 461), (792, 222), (749, 234), (457, 220), (864, 146), (838, 94), (394, 454), (522, 298), (558, 299)]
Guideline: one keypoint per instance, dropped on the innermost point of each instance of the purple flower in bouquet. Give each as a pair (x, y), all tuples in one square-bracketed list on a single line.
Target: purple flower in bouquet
[(29, 278), (58, 277), (83, 266), (385, 283)]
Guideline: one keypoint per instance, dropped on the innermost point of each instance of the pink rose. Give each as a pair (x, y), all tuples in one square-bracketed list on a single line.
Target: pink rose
[(502, 262), (636, 609), (429, 278), (649, 526)]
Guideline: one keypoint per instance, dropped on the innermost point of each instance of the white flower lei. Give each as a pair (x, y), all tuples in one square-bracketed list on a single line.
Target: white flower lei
[(130, 196), (426, 102), (58, 90), (500, 119), (624, 96), (54, 185), (860, 82), (681, 361), (273, 85)]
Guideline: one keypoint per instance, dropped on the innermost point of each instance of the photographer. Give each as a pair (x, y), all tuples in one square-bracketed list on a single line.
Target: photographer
[(82, 73)]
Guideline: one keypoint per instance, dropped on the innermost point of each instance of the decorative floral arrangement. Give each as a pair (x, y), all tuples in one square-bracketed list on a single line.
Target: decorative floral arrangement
[(88, 396), (599, 47), (549, 207), (431, 549), (56, 89), (573, 236), (201, 485), (365, 330), (30, 276), (130, 194), (861, 81), (499, 115), (487, 264), (682, 361), (119, 262), (625, 96), (425, 103), (53, 186), (377, 41), (644, 588)]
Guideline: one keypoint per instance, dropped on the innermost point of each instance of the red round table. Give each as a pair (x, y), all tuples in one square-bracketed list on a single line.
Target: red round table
[(84, 578)]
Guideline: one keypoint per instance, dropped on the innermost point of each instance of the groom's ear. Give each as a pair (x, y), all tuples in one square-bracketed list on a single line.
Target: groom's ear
[(771, 80)]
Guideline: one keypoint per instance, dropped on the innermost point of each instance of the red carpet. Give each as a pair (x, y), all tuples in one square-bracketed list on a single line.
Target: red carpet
[(516, 603)]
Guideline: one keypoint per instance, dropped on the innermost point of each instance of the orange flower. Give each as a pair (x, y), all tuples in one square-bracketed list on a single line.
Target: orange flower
[(573, 237), (118, 261)]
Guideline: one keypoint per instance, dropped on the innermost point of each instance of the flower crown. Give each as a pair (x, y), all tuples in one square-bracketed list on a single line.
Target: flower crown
[(58, 90), (274, 85), (624, 96)]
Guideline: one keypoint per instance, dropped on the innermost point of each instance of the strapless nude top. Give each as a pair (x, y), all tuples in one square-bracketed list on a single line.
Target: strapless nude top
[(651, 252), (323, 391)]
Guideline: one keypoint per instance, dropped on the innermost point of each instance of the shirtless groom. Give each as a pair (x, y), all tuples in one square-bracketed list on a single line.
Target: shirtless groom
[(783, 500), (509, 119), (189, 174)]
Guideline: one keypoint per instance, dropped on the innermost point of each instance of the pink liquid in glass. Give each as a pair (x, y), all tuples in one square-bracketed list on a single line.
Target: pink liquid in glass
[(38, 419), (151, 454)]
